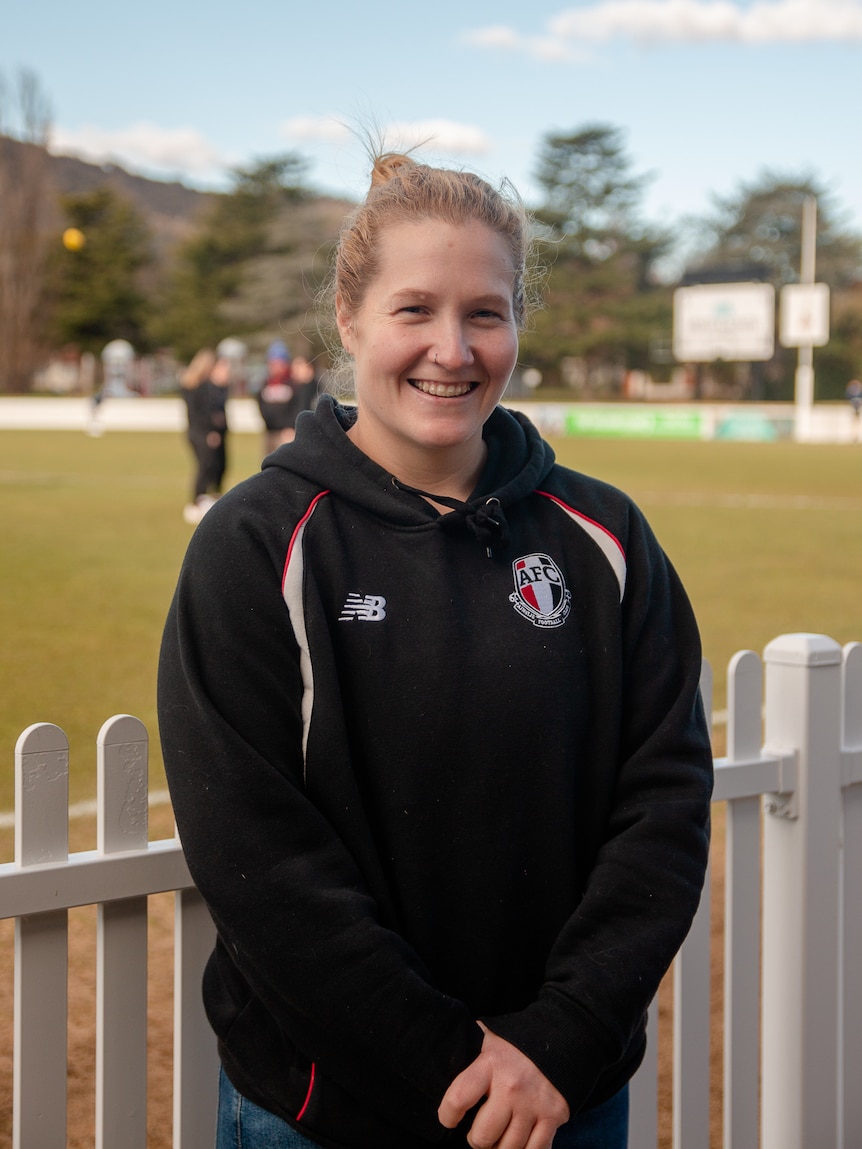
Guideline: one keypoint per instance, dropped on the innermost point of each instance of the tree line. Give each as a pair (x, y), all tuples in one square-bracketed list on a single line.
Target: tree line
[(255, 260)]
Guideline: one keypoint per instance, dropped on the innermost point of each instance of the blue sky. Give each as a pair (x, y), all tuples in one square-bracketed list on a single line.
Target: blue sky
[(707, 92)]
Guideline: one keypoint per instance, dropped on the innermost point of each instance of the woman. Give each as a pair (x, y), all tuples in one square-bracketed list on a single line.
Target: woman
[(204, 387), (430, 715)]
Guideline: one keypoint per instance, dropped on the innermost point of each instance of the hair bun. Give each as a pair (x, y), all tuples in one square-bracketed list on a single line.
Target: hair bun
[(387, 166)]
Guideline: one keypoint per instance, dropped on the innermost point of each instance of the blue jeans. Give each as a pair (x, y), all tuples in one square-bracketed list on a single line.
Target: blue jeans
[(604, 1127), (244, 1125)]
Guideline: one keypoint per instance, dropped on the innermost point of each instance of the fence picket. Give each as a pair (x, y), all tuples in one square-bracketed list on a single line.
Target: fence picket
[(850, 1114), (41, 944), (691, 989), (195, 1055), (742, 912), (121, 943), (643, 1093), (691, 985)]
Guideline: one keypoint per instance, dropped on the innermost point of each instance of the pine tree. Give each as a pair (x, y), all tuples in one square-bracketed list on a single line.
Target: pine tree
[(96, 288), (604, 309)]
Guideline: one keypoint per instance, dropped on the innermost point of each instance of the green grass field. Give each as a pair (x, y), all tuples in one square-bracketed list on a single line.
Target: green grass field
[(766, 537)]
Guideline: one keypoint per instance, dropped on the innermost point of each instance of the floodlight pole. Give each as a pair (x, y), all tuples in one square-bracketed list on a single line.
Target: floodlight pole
[(804, 390)]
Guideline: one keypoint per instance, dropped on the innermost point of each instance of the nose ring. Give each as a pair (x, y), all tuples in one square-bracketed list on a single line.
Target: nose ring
[(435, 356)]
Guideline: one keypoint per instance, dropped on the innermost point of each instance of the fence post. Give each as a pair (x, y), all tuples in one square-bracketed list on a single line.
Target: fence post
[(800, 894), (41, 943), (121, 940)]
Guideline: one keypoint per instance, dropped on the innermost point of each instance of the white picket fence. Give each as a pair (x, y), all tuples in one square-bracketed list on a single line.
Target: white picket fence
[(792, 921), (40, 887)]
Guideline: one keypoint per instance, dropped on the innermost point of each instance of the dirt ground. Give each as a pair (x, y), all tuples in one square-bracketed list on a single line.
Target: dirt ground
[(82, 1011)]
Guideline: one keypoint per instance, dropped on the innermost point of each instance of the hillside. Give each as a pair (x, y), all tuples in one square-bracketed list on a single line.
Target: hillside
[(170, 207)]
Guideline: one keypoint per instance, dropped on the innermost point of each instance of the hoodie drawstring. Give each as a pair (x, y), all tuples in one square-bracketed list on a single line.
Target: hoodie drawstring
[(485, 518)]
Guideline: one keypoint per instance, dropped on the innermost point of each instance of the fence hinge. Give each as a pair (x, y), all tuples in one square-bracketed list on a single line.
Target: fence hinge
[(784, 802)]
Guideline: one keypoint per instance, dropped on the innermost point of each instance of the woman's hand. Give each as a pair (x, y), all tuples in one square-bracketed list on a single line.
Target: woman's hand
[(522, 1109)]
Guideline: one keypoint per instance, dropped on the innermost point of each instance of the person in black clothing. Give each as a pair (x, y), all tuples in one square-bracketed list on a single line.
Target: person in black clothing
[(431, 721), (289, 389), (275, 398), (204, 389), (303, 379)]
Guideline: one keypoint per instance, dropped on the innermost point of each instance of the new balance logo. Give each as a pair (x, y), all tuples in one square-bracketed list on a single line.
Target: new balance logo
[(363, 608)]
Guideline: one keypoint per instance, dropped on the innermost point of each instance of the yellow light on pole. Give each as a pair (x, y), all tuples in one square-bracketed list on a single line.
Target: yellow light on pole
[(73, 239)]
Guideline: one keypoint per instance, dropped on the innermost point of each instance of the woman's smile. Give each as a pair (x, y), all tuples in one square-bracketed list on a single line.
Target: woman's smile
[(442, 390)]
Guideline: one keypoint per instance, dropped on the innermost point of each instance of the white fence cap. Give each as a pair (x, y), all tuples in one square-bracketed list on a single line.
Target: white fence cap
[(803, 650)]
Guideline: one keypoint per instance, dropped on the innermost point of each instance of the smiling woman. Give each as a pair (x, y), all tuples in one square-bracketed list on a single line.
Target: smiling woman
[(430, 289), (430, 719), (434, 343)]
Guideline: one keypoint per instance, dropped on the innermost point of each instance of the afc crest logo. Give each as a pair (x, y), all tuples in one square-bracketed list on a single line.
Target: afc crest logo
[(540, 593)]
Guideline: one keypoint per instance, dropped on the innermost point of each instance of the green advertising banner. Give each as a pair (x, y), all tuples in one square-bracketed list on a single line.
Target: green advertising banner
[(633, 423)]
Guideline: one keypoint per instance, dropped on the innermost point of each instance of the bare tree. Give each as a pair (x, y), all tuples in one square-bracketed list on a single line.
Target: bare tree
[(24, 203)]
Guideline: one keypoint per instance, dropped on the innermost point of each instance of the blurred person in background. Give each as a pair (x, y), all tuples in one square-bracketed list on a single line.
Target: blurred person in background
[(303, 377), (853, 393), (204, 386), (275, 397)]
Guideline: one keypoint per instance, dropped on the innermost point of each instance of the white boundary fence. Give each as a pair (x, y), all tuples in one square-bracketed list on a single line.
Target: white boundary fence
[(828, 422), (793, 938), (40, 887)]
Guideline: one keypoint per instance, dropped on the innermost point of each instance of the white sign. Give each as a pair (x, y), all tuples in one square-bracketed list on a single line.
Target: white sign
[(733, 321), (804, 315)]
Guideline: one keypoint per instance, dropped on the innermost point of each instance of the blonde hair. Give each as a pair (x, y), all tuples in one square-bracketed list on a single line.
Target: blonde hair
[(403, 191), (199, 369)]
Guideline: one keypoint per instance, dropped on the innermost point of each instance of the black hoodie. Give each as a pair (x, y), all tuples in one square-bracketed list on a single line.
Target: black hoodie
[(427, 769)]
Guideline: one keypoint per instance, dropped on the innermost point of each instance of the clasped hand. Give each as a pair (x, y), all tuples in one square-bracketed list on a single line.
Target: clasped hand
[(521, 1108)]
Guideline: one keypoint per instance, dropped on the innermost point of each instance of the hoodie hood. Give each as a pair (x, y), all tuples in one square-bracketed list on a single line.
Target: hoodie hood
[(518, 460)]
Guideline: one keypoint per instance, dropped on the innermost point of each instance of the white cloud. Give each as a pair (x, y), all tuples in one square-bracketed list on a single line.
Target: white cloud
[(682, 21), (141, 145), (494, 36), (329, 129), (429, 135), (764, 21), (500, 37), (436, 136)]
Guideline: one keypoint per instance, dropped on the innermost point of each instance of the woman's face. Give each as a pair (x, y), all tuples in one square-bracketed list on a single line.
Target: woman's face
[(434, 342)]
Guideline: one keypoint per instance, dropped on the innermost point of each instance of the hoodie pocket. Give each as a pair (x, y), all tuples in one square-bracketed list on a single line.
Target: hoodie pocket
[(261, 1061)]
